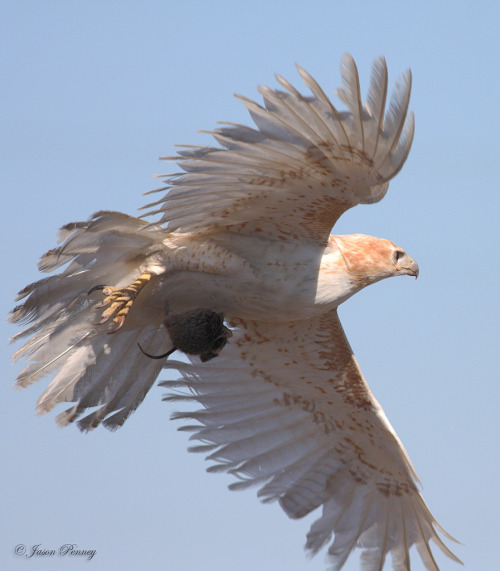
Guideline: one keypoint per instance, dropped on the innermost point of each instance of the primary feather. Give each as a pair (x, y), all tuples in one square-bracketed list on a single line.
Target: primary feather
[(244, 230)]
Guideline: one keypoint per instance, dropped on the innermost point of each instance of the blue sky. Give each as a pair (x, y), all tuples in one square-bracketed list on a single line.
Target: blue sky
[(92, 94)]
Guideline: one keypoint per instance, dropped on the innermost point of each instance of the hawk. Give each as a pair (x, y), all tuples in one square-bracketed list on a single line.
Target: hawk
[(240, 272)]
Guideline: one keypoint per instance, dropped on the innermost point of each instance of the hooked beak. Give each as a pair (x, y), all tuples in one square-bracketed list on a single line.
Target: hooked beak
[(410, 269)]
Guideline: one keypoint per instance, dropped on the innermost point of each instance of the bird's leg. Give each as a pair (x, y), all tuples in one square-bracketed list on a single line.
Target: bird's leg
[(120, 300)]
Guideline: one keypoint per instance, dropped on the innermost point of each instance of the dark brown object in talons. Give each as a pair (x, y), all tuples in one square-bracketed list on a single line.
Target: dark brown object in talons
[(195, 332)]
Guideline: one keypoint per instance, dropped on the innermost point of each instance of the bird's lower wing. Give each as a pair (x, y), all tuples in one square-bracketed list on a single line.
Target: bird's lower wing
[(286, 407)]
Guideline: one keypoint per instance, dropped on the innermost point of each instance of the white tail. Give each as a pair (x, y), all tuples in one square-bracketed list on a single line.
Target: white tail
[(92, 367)]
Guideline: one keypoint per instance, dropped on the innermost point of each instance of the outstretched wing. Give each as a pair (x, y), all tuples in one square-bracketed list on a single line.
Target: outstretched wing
[(303, 165), (308, 430)]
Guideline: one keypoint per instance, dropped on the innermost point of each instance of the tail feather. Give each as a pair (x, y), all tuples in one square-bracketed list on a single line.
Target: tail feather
[(91, 367), (48, 349), (132, 373)]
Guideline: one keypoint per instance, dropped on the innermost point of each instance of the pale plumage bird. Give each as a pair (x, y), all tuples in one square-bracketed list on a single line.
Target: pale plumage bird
[(244, 234)]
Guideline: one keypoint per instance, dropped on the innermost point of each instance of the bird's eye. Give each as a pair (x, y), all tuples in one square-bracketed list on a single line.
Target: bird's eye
[(398, 254)]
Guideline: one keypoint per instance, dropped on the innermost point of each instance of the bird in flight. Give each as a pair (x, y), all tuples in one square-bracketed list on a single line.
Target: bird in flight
[(240, 272)]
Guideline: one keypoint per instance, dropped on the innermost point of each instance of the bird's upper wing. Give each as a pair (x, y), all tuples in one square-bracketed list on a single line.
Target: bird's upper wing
[(308, 430), (303, 165)]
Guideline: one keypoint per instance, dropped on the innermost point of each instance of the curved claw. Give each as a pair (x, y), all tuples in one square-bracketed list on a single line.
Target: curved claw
[(96, 288), (119, 324)]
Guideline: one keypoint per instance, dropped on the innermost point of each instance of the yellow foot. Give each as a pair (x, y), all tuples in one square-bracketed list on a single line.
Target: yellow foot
[(120, 300)]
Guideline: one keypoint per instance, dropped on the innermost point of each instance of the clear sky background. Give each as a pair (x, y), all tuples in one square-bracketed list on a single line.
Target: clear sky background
[(92, 93)]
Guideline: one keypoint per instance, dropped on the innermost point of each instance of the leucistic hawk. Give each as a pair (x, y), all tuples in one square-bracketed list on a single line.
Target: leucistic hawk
[(242, 274)]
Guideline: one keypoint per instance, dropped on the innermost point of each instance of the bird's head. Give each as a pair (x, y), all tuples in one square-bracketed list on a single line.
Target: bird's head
[(370, 259)]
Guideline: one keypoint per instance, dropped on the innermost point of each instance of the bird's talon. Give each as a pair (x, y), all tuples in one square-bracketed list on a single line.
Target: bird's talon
[(119, 324), (118, 301)]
